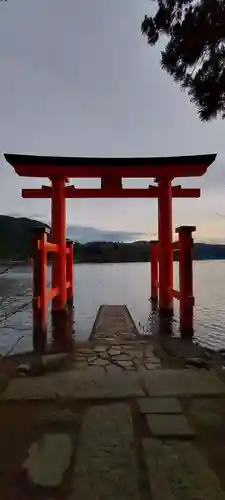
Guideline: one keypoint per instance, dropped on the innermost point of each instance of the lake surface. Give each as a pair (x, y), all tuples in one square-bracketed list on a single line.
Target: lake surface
[(97, 284)]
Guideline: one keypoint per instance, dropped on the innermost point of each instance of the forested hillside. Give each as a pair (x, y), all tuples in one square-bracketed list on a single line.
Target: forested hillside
[(15, 244)]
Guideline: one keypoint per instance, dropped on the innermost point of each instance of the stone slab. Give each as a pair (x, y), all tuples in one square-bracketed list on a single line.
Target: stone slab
[(92, 383), (48, 459), (100, 348), (137, 354), (80, 365), (152, 366), (105, 464), (125, 364), (114, 370), (159, 405), (91, 358), (181, 382), (169, 426), (61, 417), (100, 362), (4, 380), (122, 357), (114, 351), (178, 471), (53, 359), (114, 322)]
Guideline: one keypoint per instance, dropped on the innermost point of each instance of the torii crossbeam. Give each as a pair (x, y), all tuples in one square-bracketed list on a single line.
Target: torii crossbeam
[(73, 192)]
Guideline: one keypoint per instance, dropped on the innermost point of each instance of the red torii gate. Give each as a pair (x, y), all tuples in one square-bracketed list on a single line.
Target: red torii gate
[(111, 171)]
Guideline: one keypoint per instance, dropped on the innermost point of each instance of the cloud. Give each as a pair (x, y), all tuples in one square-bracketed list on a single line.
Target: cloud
[(87, 234), (78, 79)]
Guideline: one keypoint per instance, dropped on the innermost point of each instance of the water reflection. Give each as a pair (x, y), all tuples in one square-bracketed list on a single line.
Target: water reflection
[(159, 325)]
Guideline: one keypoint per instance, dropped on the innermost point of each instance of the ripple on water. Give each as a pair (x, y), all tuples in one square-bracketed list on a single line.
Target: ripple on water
[(115, 284)]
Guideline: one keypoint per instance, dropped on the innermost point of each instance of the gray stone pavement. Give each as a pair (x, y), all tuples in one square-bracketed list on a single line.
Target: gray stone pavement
[(113, 432), (183, 382), (92, 383), (169, 426), (95, 383), (106, 465), (48, 459), (128, 356), (159, 405), (179, 471), (114, 460)]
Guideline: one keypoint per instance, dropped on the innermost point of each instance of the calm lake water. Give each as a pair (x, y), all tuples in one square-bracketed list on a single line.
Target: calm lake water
[(97, 284)]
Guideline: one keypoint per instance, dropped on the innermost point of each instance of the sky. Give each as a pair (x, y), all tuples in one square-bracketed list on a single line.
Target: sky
[(78, 79)]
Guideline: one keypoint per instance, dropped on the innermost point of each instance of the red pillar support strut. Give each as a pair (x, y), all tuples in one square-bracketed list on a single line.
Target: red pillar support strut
[(154, 270), (186, 279), (165, 247), (70, 284), (69, 272)]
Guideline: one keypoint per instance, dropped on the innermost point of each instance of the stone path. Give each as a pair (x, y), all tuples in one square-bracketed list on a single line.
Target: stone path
[(159, 406), (48, 459), (106, 431), (106, 464), (184, 382), (129, 356), (92, 383), (114, 323), (113, 456), (179, 471), (96, 382)]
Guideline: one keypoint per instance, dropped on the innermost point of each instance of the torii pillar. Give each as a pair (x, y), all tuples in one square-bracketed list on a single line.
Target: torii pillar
[(165, 248), (60, 315)]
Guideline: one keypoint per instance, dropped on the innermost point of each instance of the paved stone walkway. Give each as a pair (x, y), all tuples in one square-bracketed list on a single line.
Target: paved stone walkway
[(106, 464), (113, 380), (179, 471), (48, 459), (129, 356), (106, 431)]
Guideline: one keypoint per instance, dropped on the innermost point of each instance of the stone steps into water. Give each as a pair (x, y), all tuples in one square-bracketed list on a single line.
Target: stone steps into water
[(114, 322)]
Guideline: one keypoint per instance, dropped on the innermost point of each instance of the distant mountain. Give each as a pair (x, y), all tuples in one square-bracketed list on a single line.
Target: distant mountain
[(15, 243), (15, 237), (86, 234), (208, 251)]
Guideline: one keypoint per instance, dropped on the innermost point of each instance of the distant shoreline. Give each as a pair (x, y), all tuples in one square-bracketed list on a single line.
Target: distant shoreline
[(15, 248), (25, 263)]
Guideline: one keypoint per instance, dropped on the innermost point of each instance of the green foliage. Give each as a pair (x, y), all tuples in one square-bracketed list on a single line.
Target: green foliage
[(15, 237), (195, 53), (112, 252), (15, 245)]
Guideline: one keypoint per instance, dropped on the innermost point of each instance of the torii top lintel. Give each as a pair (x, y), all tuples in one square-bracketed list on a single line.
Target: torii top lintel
[(86, 167)]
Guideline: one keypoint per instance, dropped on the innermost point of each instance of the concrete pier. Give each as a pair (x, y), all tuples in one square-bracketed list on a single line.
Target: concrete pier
[(114, 323)]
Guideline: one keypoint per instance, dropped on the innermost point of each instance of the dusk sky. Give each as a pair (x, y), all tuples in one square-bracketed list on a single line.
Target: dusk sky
[(78, 79)]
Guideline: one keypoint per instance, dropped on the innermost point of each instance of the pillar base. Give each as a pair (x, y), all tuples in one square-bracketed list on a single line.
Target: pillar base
[(165, 326), (39, 339), (61, 329), (70, 306), (186, 333), (154, 304), (70, 303), (166, 312)]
